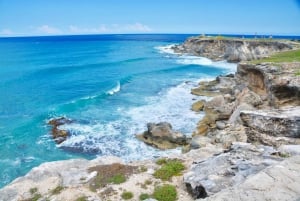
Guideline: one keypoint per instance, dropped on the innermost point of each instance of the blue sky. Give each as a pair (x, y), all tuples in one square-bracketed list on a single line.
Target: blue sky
[(56, 17)]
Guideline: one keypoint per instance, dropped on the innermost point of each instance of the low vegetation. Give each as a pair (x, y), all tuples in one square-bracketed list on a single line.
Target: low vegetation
[(82, 198), (165, 193), (114, 173), (287, 56), (57, 190), (144, 196), (169, 168), (127, 195)]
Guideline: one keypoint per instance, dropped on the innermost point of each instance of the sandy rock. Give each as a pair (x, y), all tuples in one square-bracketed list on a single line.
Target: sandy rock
[(198, 106)]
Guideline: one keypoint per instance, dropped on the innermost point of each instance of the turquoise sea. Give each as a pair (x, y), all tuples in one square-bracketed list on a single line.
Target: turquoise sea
[(111, 85)]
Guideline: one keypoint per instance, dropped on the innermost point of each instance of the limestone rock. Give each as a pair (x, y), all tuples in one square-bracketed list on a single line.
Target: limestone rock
[(233, 50), (228, 169), (278, 182), (198, 106), (162, 136), (283, 124)]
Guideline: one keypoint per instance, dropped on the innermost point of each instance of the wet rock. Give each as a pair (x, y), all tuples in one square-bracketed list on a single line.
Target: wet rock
[(59, 135), (273, 127), (162, 136), (230, 168), (198, 106)]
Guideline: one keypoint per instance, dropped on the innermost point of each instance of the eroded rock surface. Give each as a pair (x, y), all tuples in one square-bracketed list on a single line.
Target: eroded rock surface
[(162, 136), (232, 50), (228, 169), (59, 135)]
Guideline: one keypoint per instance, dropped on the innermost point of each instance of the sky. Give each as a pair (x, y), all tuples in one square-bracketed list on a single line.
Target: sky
[(71, 17)]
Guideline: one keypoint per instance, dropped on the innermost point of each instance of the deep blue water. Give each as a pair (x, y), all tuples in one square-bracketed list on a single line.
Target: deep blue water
[(112, 85)]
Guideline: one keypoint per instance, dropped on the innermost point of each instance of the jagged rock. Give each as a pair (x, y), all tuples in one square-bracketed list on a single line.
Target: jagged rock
[(279, 84), (233, 50), (229, 169), (235, 116), (273, 127), (199, 141), (59, 135), (198, 106), (229, 135), (248, 97), (278, 182), (215, 109), (162, 136)]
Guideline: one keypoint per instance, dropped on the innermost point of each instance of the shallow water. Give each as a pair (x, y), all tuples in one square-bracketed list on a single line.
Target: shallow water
[(112, 85)]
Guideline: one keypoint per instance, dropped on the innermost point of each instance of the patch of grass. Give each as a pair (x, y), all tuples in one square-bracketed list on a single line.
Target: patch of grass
[(144, 196), (117, 179), (297, 73), (127, 195), (161, 161), (143, 169), (114, 173), (82, 198), (57, 190), (165, 193), (33, 190), (36, 197), (169, 169), (287, 56)]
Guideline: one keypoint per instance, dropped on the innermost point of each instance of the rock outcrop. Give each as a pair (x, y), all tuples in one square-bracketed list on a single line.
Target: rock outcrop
[(59, 135), (277, 182), (162, 136), (228, 169), (273, 127), (232, 50)]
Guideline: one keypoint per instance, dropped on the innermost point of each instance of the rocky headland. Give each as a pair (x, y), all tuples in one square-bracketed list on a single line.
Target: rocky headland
[(246, 147)]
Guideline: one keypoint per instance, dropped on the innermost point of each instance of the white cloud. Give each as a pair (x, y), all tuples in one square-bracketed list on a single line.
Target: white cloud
[(46, 29), (6, 32), (113, 28)]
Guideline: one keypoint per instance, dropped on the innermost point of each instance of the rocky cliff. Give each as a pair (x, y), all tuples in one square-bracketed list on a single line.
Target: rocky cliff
[(232, 50)]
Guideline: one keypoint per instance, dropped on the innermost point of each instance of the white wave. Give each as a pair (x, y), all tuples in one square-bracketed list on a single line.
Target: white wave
[(114, 90), (118, 137), (166, 49), (202, 61)]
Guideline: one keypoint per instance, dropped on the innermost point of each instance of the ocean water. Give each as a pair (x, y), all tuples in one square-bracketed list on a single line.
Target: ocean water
[(111, 85)]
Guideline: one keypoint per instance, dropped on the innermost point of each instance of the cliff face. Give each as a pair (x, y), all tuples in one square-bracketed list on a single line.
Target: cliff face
[(232, 50)]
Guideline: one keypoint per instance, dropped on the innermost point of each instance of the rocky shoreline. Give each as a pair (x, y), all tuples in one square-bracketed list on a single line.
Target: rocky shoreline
[(246, 147)]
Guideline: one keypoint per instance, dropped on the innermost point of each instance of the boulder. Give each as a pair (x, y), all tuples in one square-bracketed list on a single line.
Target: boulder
[(198, 106), (248, 97), (162, 136), (59, 135), (229, 169)]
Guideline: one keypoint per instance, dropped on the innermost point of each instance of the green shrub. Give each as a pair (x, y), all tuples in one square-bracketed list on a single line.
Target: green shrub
[(161, 161), (144, 196), (127, 195), (33, 190), (170, 168), (117, 179), (82, 198), (36, 197), (165, 193), (57, 190)]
